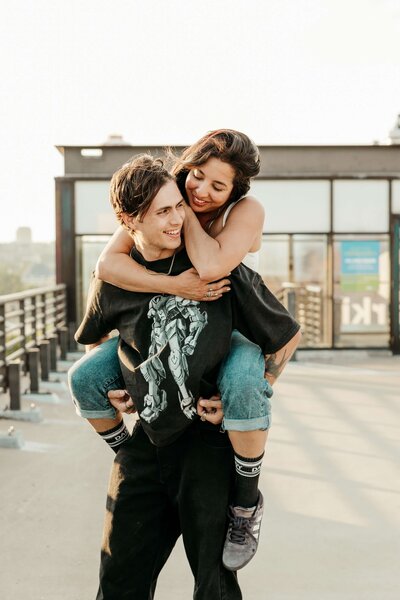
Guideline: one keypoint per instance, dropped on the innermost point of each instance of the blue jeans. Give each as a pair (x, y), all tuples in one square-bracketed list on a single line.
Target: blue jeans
[(245, 394)]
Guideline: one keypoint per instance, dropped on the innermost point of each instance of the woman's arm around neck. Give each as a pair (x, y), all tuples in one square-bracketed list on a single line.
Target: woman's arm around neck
[(215, 257)]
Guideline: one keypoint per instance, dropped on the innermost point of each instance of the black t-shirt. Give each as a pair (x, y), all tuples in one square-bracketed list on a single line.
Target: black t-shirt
[(171, 348)]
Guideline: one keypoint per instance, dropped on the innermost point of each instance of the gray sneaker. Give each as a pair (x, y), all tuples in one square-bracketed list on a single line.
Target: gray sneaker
[(243, 533)]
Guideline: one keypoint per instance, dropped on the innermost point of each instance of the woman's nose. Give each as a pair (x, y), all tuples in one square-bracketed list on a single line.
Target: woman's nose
[(202, 189)]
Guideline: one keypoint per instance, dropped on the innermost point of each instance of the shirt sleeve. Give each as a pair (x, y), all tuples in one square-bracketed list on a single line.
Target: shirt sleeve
[(96, 322), (258, 314)]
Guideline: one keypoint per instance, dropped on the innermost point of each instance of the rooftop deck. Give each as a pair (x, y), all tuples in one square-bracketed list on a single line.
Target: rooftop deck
[(330, 478)]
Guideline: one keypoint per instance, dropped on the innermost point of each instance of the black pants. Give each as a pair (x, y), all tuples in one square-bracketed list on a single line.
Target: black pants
[(156, 494)]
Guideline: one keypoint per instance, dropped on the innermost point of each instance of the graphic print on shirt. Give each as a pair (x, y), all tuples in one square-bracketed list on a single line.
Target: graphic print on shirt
[(177, 324)]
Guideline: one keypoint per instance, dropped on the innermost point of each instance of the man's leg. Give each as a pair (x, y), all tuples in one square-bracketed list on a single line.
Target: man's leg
[(245, 399), (206, 477), (141, 527), (90, 378)]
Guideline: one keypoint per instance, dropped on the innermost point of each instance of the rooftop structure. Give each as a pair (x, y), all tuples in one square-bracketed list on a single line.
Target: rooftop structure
[(331, 234)]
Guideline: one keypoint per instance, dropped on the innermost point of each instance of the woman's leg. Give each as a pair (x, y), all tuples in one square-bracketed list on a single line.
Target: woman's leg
[(245, 395), (90, 379)]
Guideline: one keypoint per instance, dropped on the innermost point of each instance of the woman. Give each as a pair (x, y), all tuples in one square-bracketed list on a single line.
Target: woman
[(222, 228)]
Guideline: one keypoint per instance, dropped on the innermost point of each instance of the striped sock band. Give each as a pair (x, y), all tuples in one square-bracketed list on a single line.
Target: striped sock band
[(248, 467), (116, 436), (247, 475)]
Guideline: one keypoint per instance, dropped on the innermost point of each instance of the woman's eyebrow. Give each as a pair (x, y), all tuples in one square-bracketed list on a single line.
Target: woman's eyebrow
[(214, 180)]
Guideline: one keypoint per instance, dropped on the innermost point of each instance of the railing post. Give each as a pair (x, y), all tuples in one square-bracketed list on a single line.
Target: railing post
[(71, 339), (33, 365), (14, 384), (53, 351), (337, 320), (44, 347), (2, 347), (291, 306), (291, 302), (63, 335), (34, 320), (21, 305), (43, 315)]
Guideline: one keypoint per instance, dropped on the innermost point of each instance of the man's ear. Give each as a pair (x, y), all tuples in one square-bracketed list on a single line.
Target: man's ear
[(129, 221)]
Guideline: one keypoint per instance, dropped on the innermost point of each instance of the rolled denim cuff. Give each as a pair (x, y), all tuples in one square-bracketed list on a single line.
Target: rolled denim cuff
[(262, 423), (110, 413)]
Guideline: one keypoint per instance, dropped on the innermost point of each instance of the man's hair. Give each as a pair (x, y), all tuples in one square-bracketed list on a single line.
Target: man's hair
[(134, 186), (230, 146)]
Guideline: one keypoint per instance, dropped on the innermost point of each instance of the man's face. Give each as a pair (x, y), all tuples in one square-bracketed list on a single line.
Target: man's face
[(158, 233)]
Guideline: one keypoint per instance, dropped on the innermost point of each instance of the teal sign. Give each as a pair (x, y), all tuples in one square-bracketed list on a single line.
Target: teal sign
[(360, 265)]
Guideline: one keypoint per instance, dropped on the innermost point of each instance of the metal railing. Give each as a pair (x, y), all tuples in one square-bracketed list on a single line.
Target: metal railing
[(305, 304), (32, 328)]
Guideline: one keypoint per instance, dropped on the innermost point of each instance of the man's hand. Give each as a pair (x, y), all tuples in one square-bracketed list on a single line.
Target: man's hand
[(210, 410), (121, 401)]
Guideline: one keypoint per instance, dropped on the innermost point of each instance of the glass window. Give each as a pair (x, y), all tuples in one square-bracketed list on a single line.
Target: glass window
[(294, 206), (361, 291), (310, 274), (274, 261), (396, 197), (310, 259), (93, 211), (88, 249), (295, 269), (360, 206), (396, 288)]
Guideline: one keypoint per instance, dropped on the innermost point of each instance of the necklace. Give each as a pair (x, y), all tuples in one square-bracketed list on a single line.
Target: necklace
[(170, 267), (172, 263)]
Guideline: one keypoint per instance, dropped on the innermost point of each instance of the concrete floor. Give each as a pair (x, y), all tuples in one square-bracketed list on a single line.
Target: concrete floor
[(330, 477)]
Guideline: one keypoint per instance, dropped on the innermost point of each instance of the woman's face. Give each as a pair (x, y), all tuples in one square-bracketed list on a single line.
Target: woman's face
[(209, 185)]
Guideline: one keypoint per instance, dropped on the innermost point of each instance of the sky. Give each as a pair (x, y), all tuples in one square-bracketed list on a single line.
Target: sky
[(167, 71)]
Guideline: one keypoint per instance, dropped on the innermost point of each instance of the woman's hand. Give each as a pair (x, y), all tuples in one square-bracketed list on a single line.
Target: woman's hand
[(121, 401), (210, 410), (189, 285)]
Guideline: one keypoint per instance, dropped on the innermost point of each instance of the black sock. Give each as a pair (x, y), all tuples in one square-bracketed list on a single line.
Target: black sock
[(246, 483), (116, 436)]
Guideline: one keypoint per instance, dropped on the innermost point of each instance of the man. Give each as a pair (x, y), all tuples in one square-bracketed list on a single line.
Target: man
[(174, 475)]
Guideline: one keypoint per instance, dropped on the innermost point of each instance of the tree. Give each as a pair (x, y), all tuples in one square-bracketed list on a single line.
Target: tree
[(10, 280)]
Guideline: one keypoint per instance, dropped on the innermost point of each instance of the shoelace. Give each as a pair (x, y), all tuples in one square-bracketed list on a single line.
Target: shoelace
[(239, 526)]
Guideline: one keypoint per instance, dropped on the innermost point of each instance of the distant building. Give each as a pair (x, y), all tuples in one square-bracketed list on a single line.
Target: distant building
[(23, 235), (331, 235)]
